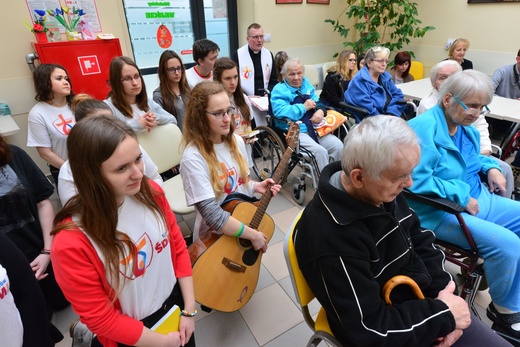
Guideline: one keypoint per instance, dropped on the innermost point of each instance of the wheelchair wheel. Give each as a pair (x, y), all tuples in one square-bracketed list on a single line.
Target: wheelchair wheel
[(267, 152), (299, 193), (511, 143)]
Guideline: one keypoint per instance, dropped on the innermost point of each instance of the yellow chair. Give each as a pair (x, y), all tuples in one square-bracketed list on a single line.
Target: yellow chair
[(417, 70), (163, 145), (304, 295)]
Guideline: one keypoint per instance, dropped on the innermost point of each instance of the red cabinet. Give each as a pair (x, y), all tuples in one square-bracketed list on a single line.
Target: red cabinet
[(87, 62)]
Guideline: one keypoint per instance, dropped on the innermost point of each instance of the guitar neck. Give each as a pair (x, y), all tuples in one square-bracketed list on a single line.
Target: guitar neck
[(266, 198)]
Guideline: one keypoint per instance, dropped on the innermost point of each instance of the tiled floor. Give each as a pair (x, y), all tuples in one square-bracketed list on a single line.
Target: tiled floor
[(272, 317)]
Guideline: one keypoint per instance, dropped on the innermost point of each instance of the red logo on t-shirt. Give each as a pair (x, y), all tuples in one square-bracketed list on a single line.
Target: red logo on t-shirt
[(63, 125)]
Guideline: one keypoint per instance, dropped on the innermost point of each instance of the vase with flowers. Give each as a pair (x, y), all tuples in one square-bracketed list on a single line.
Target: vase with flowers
[(38, 28), (69, 18)]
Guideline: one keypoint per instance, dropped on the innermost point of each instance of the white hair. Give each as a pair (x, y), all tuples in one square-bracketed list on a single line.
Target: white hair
[(372, 144), (291, 62), (434, 72), (465, 84)]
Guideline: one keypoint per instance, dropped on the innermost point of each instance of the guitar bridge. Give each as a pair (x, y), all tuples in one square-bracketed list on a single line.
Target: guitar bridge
[(233, 266)]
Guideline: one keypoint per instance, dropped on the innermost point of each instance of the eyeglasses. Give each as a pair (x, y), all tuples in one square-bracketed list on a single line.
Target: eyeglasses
[(221, 114), (173, 70), (473, 111), (257, 37), (128, 79), (381, 61), (352, 60)]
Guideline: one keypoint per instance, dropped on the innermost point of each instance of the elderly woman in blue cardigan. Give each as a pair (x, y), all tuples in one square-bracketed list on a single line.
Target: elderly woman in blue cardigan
[(372, 87), (449, 168)]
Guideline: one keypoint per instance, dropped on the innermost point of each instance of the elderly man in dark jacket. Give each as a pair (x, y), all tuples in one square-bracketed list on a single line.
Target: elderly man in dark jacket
[(358, 232)]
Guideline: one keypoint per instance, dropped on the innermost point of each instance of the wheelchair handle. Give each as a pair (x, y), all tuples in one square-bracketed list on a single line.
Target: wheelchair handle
[(348, 107), (398, 280)]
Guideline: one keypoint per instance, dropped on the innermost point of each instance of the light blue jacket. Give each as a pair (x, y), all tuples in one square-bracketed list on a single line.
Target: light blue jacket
[(364, 92), (282, 96), (442, 170)]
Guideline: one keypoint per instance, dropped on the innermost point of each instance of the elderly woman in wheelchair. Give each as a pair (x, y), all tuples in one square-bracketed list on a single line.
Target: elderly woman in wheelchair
[(296, 100), (449, 168), (373, 89)]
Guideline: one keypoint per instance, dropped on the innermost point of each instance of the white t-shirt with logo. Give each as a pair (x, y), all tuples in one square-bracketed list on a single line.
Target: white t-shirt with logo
[(196, 176), (11, 328), (49, 126), (150, 277)]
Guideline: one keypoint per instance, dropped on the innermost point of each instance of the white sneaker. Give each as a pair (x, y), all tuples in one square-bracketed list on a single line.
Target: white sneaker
[(81, 336)]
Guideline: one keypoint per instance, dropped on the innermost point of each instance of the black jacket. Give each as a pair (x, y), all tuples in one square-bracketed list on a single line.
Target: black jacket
[(348, 249), (333, 91)]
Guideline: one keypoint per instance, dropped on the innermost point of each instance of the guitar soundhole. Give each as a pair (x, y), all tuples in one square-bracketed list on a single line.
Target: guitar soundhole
[(250, 255), (245, 243)]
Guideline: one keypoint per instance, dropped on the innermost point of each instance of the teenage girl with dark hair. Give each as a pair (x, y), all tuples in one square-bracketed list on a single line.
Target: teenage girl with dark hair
[(173, 92), (128, 99), (51, 119)]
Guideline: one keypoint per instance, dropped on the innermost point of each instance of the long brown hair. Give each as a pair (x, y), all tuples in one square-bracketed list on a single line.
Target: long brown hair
[(117, 94), (221, 65), (43, 84), (91, 142), (196, 132), (341, 65), (168, 96)]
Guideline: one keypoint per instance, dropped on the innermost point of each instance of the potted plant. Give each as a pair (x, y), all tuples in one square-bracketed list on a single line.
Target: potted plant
[(386, 23), (38, 28)]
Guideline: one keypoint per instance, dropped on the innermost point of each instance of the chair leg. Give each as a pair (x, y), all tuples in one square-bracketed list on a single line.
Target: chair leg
[(314, 341)]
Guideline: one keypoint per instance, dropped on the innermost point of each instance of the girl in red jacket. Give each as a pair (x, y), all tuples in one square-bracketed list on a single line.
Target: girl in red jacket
[(118, 252)]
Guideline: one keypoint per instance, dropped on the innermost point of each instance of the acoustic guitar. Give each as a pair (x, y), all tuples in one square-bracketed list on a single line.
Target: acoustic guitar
[(226, 268)]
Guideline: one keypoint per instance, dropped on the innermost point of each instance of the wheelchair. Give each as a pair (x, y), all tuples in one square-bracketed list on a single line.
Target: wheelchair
[(468, 260), (511, 142), (356, 114), (267, 152)]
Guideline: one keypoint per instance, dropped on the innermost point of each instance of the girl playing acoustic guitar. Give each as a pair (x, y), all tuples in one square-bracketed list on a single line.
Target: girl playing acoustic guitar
[(214, 165)]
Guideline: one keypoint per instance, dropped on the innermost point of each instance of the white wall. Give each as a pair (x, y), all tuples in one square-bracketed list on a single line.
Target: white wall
[(491, 29)]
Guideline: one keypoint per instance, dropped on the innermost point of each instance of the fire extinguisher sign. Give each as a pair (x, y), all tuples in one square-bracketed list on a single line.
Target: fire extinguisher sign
[(89, 65)]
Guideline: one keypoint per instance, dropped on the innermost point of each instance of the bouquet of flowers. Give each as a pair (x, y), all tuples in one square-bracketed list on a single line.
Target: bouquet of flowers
[(68, 17), (39, 22)]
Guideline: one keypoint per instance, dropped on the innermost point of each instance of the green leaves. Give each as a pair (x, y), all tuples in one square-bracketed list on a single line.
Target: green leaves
[(380, 22)]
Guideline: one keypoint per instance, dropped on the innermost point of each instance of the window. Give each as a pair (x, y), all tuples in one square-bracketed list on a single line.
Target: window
[(155, 26)]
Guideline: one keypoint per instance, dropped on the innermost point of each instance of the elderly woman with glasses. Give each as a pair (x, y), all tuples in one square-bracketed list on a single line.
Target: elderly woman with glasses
[(372, 87), (449, 168)]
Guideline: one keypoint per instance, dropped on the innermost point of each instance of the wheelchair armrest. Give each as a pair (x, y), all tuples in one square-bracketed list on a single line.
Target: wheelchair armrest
[(446, 206), (401, 102), (351, 108), (434, 201)]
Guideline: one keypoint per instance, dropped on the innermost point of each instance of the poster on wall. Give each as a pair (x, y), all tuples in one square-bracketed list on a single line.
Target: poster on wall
[(88, 6), (158, 25)]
